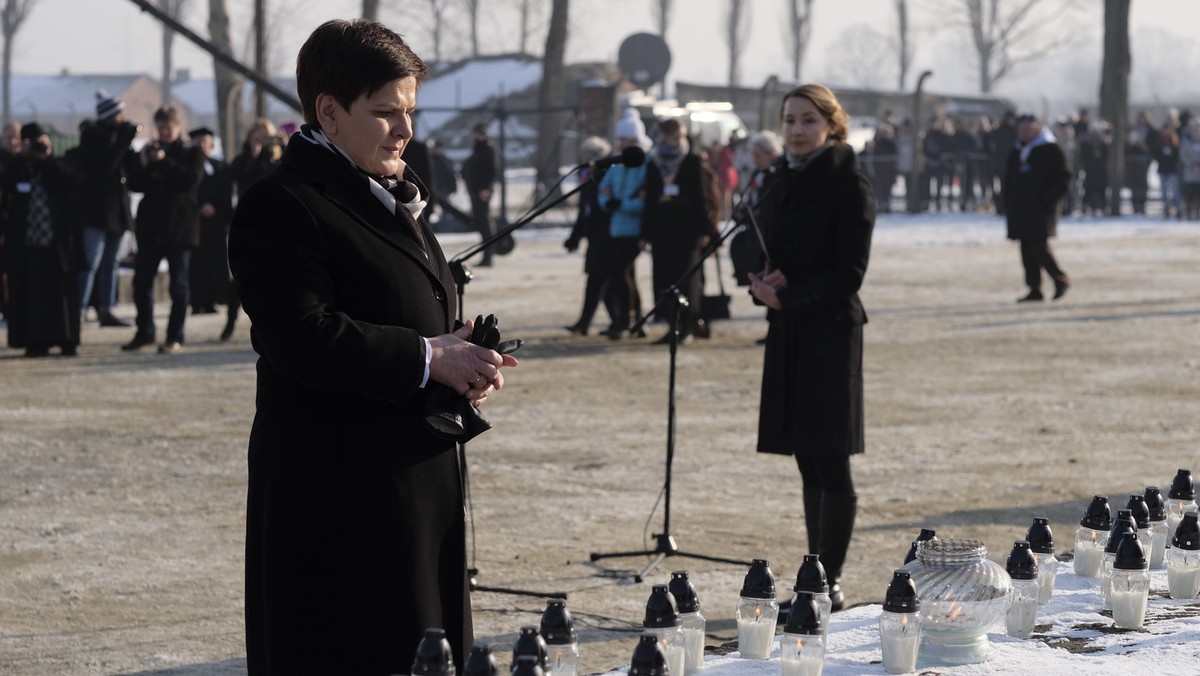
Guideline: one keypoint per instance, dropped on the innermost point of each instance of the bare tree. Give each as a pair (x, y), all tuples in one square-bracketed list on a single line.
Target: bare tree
[(552, 93), (370, 10), (737, 31), (472, 7), (437, 16), (15, 13), (662, 13), (228, 83), (173, 9), (863, 59), (799, 25), (529, 16), (1009, 33), (904, 50), (1114, 93)]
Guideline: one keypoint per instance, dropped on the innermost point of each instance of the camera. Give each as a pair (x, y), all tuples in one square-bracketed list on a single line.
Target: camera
[(39, 147)]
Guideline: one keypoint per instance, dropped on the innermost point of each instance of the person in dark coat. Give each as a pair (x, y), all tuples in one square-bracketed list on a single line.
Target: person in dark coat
[(818, 221), (355, 527), (167, 173), (1137, 169), (592, 223), (479, 174), (103, 188), (1036, 180), (677, 223), (42, 249), (1000, 143), (1093, 156), (209, 283)]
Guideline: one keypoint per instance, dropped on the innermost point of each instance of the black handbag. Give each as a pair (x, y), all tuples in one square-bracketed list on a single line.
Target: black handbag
[(716, 307)]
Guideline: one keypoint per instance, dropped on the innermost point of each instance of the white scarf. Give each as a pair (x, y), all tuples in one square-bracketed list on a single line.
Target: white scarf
[(1044, 137)]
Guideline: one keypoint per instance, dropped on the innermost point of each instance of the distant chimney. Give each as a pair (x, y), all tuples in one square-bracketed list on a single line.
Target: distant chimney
[(182, 75)]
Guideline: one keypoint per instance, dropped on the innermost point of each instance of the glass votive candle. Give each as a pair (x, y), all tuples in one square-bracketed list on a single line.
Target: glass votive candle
[(691, 622), (757, 612), (802, 646), (1159, 533), (1022, 611), (1041, 543), (562, 645), (900, 625), (1183, 560), (662, 620), (1130, 584), (1181, 499), (1091, 537)]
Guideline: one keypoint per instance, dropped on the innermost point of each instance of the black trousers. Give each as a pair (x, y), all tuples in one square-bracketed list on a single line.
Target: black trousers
[(1037, 256)]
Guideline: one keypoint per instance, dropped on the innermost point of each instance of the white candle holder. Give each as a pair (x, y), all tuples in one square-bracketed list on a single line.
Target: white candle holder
[(802, 647), (1091, 537), (900, 625), (562, 644), (691, 622), (1181, 499), (757, 612), (1130, 584), (1023, 569), (1183, 560), (1159, 533), (1041, 543)]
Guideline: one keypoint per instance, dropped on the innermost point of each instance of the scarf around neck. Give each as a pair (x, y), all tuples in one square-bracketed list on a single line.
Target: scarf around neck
[(800, 162), (382, 187)]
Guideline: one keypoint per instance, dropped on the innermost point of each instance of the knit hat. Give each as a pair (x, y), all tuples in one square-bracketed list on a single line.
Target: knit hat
[(107, 106), (630, 125)]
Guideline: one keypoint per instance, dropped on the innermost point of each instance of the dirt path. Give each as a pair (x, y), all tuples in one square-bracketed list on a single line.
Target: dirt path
[(122, 477)]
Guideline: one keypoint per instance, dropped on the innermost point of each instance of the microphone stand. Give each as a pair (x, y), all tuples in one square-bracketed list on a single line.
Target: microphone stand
[(462, 275), (664, 542)]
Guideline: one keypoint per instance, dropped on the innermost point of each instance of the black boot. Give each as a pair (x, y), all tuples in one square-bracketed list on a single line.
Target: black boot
[(837, 525)]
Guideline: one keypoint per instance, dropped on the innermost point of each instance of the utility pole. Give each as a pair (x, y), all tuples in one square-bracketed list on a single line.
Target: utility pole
[(260, 56)]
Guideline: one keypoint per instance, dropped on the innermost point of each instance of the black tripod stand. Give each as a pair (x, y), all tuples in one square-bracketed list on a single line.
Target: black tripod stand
[(664, 542), (462, 275)]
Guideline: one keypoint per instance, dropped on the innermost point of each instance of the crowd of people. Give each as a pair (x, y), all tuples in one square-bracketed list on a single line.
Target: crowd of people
[(964, 162)]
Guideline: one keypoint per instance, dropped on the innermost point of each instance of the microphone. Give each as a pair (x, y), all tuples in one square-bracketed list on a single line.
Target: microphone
[(632, 156)]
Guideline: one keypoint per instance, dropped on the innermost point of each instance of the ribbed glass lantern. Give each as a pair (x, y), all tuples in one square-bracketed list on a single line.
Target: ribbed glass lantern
[(962, 595)]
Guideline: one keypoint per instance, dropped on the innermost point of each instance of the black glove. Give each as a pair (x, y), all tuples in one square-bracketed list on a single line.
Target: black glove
[(612, 205), (449, 415), (572, 244)]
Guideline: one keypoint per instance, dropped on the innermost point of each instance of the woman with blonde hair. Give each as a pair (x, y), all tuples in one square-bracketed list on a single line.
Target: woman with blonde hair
[(817, 219)]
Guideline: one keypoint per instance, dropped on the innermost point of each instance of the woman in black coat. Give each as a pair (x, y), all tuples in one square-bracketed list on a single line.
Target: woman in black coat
[(818, 219), (355, 521), (592, 224)]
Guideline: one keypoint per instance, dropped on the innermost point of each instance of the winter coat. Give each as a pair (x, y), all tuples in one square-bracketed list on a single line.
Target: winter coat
[(1189, 158), (103, 181), (1033, 188), (628, 186), (169, 213), (479, 169), (818, 223), (355, 527)]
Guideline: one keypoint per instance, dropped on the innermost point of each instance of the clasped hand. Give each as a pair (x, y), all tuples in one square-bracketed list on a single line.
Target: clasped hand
[(765, 286), (470, 370)]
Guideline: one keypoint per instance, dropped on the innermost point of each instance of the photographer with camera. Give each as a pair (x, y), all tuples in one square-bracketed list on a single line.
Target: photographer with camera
[(168, 174), (41, 249), (103, 147)]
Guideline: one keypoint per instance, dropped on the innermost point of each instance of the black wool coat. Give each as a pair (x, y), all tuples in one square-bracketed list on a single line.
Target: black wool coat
[(169, 212), (355, 537), (818, 224), (1033, 190)]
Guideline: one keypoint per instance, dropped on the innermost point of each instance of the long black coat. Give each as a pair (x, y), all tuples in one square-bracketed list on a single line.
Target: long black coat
[(209, 269), (169, 212), (674, 224), (1033, 190), (818, 224), (355, 537)]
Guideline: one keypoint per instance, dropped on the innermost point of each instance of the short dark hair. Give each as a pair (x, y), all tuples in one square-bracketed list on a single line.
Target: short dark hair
[(347, 59), (166, 114), (670, 125)]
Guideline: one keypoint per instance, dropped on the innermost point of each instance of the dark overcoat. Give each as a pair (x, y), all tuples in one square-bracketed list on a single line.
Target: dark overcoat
[(674, 224), (355, 536), (1033, 189), (169, 213), (818, 224), (209, 269)]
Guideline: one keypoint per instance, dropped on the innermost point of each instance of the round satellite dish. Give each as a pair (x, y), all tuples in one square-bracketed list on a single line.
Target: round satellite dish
[(644, 58)]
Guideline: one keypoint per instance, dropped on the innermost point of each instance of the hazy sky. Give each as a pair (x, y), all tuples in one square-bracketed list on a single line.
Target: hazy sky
[(114, 36)]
